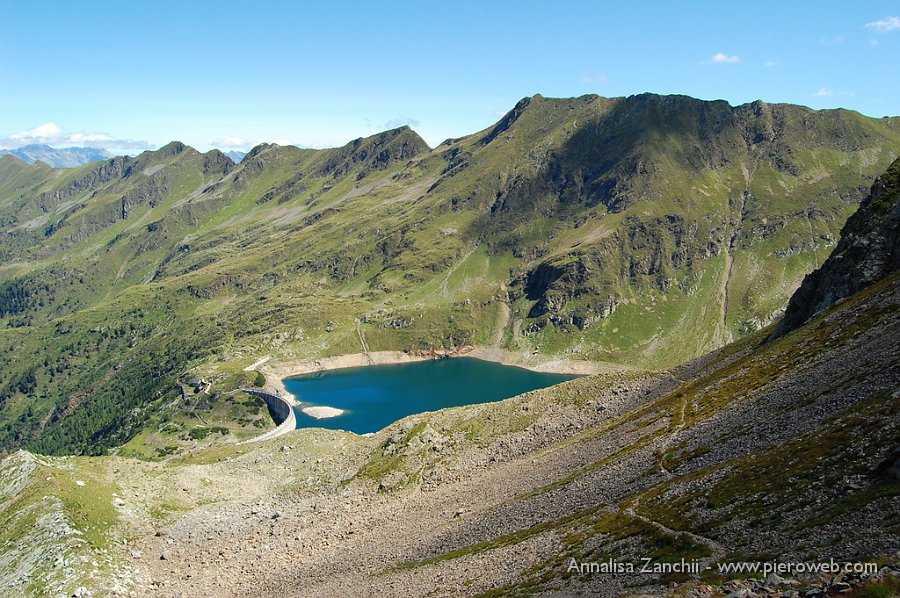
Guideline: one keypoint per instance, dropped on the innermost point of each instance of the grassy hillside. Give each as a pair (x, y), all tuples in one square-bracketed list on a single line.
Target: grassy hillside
[(761, 451), (644, 230)]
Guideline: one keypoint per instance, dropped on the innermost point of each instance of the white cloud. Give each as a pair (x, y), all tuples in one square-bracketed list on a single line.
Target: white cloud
[(770, 63), (723, 58), (824, 92), (873, 42), (500, 112), (41, 132), (833, 41), (53, 134), (230, 143), (594, 79), (885, 25), (400, 121), (82, 138)]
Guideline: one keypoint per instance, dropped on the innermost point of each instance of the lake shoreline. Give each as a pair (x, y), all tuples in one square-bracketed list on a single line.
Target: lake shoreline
[(375, 397), (276, 372)]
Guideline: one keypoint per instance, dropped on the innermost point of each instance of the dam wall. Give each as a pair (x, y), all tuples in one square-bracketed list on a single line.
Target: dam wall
[(281, 410)]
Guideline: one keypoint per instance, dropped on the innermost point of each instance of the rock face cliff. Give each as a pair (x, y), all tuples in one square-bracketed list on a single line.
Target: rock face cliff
[(868, 251)]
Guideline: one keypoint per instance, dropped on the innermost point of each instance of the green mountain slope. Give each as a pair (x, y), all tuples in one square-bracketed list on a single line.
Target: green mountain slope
[(763, 451), (644, 230)]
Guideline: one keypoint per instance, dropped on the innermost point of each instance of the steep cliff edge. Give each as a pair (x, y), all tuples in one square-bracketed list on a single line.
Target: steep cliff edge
[(868, 251)]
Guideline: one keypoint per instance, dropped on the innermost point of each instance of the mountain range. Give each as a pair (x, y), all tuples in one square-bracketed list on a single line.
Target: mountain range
[(642, 231), (70, 157), (66, 157)]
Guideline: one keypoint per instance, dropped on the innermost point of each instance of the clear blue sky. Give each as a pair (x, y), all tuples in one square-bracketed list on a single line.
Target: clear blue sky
[(130, 75)]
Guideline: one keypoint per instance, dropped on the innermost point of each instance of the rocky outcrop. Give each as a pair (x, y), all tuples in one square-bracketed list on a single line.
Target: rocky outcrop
[(150, 191), (868, 251), (215, 162), (104, 173), (375, 153), (558, 287), (508, 119)]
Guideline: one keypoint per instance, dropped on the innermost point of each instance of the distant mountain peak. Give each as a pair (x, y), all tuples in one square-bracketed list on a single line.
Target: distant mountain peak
[(68, 157), (173, 148), (376, 152)]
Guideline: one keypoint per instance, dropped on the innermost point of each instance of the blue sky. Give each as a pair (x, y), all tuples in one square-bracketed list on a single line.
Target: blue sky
[(131, 75)]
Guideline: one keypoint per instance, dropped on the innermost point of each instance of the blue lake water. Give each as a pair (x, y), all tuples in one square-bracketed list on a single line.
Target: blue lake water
[(377, 396)]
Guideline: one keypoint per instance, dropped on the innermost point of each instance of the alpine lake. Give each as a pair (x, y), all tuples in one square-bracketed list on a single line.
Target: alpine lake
[(373, 397)]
